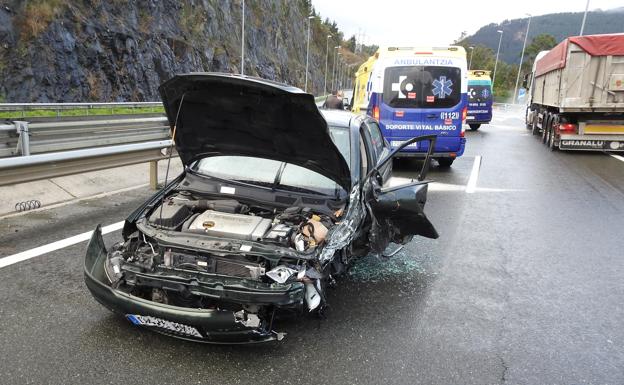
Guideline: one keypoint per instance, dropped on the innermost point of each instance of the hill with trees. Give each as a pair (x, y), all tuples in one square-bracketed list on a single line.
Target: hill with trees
[(545, 32)]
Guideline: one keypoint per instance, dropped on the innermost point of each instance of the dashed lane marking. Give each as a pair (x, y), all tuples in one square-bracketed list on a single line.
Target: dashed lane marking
[(37, 251), (618, 157), (471, 187)]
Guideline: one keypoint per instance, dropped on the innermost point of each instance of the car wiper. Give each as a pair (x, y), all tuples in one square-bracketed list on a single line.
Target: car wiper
[(281, 187), (300, 189), (254, 182)]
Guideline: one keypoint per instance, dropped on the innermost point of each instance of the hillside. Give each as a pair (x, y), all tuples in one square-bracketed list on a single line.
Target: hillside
[(114, 50), (559, 25)]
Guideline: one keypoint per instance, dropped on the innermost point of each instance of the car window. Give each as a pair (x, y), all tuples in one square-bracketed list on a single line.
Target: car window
[(376, 137), (263, 171), (363, 157), (340, 137)]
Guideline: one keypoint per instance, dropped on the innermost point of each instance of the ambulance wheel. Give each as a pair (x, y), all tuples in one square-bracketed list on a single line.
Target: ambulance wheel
[(474, 127), (445, 162)]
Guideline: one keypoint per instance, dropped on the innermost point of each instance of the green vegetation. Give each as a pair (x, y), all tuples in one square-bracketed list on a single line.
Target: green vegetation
[(484, 58), (36, 16), (79, 112)]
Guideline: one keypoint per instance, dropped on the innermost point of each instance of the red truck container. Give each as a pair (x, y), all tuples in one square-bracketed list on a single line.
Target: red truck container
[(576, 94)]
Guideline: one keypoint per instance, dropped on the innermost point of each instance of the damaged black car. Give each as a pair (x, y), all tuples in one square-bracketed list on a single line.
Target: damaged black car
[(276, 200)]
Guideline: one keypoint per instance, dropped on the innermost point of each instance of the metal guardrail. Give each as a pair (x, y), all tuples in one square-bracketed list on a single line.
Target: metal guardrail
[(41, 150), (36, 167), (23, 138), (65, 106), (20, 110)]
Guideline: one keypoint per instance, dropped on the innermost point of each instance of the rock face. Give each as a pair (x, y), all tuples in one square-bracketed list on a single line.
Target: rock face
[(121, 50)]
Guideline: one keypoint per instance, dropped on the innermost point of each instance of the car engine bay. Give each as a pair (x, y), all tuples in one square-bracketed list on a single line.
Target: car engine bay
[(187, 249)]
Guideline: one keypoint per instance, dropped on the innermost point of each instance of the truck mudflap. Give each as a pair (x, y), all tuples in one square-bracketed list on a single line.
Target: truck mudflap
[(201, 325), (592, 142)]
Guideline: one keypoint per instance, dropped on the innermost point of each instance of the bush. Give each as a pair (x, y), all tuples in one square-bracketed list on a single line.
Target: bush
[(36, 16)]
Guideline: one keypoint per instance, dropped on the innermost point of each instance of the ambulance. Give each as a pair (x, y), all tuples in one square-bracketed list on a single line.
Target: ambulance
[(415, 91), (479, 98)]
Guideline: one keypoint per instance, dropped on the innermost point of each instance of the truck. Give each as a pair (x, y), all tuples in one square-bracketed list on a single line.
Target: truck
[(576, 94)]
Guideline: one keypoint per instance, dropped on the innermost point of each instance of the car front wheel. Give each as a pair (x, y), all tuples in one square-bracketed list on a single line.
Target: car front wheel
[(474, 127)]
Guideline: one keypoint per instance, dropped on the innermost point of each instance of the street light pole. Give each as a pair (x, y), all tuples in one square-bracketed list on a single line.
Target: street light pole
[(471, 53), (305, 88), (326, 60), (243, 41), (584, 18), (334, 67), (496, 62), (515, 99)]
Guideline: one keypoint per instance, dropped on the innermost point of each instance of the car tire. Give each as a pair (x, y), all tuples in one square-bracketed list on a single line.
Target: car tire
[(445, 162), (474, 127)]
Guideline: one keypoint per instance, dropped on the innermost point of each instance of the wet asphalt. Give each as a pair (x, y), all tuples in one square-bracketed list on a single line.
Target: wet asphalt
[(524, 286)]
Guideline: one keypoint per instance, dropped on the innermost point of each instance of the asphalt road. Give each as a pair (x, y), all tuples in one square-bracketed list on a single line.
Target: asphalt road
[(524, 286)]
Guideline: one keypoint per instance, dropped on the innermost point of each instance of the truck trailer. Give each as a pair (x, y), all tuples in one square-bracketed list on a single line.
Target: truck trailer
[(576, 94)]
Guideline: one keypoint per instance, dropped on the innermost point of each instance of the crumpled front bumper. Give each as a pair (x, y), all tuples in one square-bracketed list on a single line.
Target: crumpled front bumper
[(202, 325)]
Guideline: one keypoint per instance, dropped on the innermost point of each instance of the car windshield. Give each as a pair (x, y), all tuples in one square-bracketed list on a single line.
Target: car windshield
[(265, 172)]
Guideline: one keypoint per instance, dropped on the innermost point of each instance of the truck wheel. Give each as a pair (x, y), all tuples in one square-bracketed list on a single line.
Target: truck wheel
[(474, 127), (551, 133), (534, 129), (445, 162), (546, 127)]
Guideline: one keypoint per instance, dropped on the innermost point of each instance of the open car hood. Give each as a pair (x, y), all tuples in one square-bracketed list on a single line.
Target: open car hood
[(225, 114)]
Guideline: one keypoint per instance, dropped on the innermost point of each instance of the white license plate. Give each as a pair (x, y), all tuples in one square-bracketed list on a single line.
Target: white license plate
[(470, 117), (397, 143), (145, 320)]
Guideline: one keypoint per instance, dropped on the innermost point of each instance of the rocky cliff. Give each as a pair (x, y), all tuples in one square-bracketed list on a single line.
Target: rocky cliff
[(121, 50)]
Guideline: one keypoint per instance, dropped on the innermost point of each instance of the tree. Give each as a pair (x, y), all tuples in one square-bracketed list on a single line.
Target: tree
[(461, 37), (351, 44), (541, 42)]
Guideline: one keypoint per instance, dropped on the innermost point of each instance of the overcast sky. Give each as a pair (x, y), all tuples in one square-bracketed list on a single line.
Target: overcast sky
[(436, 22)]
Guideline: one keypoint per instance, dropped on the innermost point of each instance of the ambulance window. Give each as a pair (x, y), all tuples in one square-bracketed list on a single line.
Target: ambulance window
[(479, 93), (422, 86), (441, 87)]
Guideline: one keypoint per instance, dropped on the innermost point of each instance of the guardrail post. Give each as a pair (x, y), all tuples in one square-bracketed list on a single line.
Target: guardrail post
[(22, 130), (153, 172)]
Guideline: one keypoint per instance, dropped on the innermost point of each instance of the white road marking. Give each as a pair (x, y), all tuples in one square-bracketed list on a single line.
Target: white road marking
[(618, 157), (37, 251), (471, 187)]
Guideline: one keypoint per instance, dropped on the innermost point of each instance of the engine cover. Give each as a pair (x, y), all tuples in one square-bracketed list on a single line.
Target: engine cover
[(238, 226)]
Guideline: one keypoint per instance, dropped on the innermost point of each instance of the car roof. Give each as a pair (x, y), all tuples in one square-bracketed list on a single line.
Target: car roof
[(338, 118)]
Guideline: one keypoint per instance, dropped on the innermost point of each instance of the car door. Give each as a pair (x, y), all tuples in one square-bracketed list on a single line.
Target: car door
[(397, 212), (380, 148)]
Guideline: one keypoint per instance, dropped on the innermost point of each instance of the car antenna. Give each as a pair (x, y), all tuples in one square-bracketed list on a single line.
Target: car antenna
[(173, 134)]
